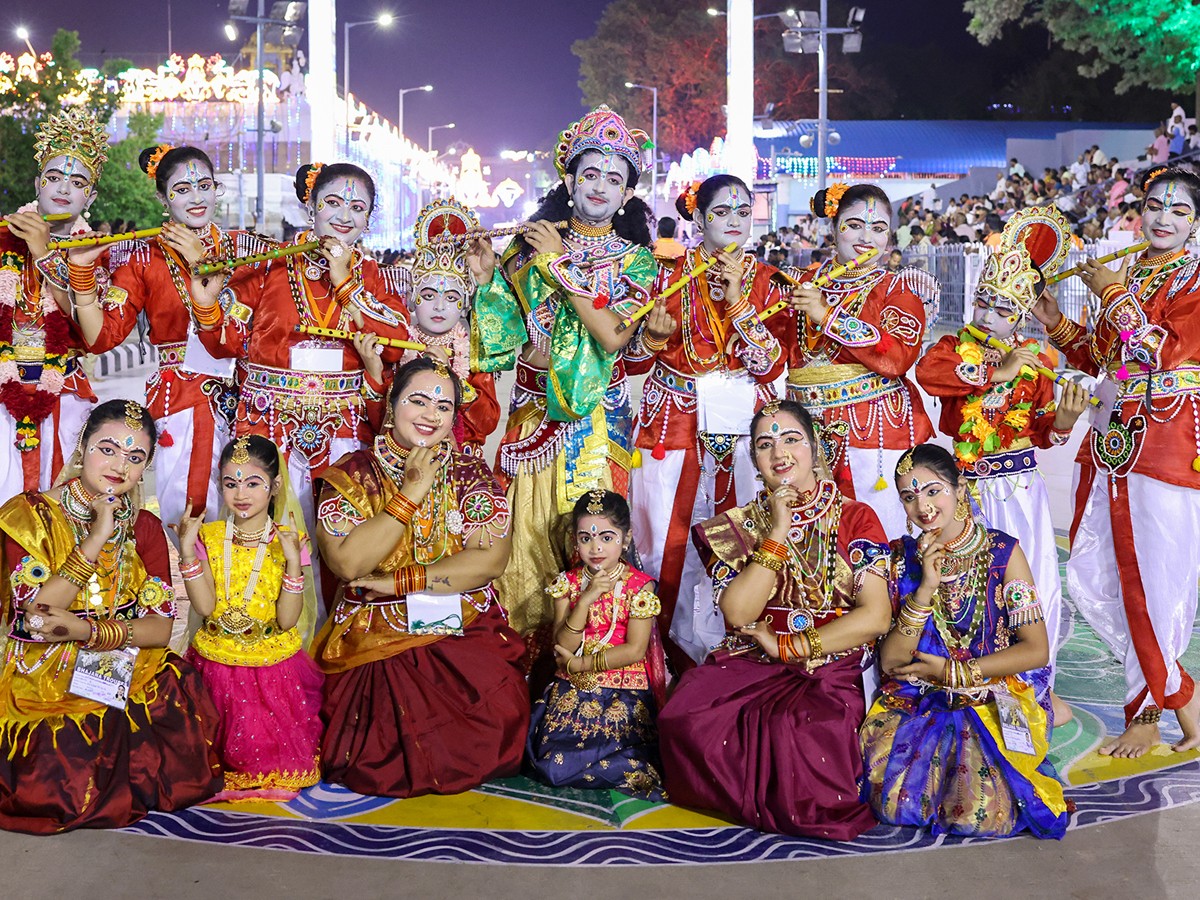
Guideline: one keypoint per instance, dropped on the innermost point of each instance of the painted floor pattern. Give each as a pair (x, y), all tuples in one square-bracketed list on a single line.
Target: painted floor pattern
[(519, 821)]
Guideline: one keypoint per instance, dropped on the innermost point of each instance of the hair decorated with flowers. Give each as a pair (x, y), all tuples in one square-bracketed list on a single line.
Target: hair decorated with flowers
[(310, 180), (700, 194), (687, 200), (1152, 176), (835, 199), (156, 158), (829, 200)]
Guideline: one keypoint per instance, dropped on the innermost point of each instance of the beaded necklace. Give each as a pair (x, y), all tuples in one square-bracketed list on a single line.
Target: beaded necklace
[(812, 543), (438, 515), (175, 266), (972, 559), (236, 619), (104, 587)]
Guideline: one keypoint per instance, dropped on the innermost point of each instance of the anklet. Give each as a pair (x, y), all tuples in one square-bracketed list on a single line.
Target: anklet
[(1148, 716)]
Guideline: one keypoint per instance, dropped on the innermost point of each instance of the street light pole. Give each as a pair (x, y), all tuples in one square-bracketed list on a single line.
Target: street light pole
[(432, 129), (260, 120), (654, 140), (384, 20), (822, 97), (400, 130)]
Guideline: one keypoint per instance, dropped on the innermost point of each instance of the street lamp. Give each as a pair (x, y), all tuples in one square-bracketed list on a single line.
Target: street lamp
[(23, 35), (653, 140), (400, 128), (383, 20), (432, 129)]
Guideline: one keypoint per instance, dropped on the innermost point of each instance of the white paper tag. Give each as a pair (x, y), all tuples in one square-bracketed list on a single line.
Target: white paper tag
[(103, 676), (1014, 726), (198, 360), (1106, 392), (434, 613), (310, 356), (725, 402)]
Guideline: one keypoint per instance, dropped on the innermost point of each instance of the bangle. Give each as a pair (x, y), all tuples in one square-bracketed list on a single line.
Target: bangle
[(293, 584), (127, 644), (654, 345), (400, 508), (774, 548), (77, 568), (571, 628), (774, 563), (106, 634), (1111, 291), (976, 676), (92, 302), (1062, 331), (192, 570), (568, 665), (814, 642), (81, 278), (409, 580), (805, 647), (207, 315), (787, 648)]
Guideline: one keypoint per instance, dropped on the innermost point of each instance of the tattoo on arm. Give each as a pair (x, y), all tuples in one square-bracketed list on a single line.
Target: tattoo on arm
[(440, 579)]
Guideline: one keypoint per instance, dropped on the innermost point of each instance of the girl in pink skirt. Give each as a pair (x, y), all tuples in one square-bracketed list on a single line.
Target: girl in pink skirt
[(249, 576)]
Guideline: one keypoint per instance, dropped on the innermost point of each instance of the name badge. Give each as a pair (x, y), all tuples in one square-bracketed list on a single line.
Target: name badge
[(1014, 725), (103, 676), (434, 613), (725, 402), (316, 356), (1106, 392), (199, 361)]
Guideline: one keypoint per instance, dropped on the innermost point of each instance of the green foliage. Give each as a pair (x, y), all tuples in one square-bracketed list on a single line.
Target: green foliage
[(1152, 43), (125, 190)]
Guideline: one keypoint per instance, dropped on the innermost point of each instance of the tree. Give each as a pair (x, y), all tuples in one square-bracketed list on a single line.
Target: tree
[(125, 192), (28, 102), (1152, 43), (680, 49)]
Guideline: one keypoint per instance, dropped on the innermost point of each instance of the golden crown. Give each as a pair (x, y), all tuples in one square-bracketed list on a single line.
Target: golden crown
[(435, 254), (1009, 275), (73, 132), (603, 130)]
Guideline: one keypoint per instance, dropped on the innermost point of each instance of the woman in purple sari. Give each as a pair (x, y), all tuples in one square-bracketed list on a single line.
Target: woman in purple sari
[(766, 730)]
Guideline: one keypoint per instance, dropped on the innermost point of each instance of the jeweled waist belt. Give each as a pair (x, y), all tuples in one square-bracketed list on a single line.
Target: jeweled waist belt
[(171, 355), (1167, 383), (244, 630), (673, 380), (30, 372), (810, 389), (307, 388), (995, 465)]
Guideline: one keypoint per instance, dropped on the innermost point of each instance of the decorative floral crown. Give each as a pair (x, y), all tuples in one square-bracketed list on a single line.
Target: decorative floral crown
[(435, 256), (604, 130), (689, 197), (310, 180), (157, 157), (73, 132)]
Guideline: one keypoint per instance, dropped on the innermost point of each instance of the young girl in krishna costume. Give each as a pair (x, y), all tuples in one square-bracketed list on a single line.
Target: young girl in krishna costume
[(594, 726), (192, 403), (87, 582), (442, 292), (1137, 504), (44, 394), (966, 663), (997, 408), (850, 345), (249, 577)]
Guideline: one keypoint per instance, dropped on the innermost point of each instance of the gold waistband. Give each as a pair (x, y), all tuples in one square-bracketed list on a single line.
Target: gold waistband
[(817, 375)]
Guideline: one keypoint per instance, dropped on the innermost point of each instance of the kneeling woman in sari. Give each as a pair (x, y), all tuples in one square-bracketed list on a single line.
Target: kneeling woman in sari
[(958, 739), (766, 730), (424, 693), (99, 722)]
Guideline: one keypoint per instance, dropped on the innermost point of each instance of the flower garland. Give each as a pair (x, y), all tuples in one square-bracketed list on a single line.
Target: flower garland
[(980, 433), (30, 407)]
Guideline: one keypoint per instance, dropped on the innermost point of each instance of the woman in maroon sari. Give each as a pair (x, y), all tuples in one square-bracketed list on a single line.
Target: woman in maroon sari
[(766, 731), (424, 691)]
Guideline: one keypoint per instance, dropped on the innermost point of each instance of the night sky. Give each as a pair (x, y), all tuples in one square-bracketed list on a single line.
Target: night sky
[(504, 72)]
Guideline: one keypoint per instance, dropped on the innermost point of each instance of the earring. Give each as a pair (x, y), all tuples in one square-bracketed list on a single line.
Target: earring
[(570, 202), (621, 211), (908, 526), (962, 512)]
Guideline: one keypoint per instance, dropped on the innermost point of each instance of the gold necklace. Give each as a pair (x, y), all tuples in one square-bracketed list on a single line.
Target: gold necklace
[(583, 229), (1160, 260), (250, 537)]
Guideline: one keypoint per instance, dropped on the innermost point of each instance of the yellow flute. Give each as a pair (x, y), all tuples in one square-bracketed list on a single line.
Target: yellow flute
[(97, 241), (818, 283), (997, 344), (49, 217), (673, 289), (1075, 270), (220, 265), (349, 335)]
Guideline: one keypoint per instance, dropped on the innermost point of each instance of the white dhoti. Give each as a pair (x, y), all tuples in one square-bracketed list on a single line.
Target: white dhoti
[(866, 466), (1133, 574), (175, 481), (72, 413)]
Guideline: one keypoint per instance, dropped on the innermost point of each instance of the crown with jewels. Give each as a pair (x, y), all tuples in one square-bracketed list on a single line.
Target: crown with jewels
[(73, 132), (603, 130), (434, 255), (1035, 240)]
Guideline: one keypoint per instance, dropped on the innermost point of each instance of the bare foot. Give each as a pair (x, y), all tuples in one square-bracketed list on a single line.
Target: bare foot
[(1133, 742), (1189, 722), (1062, 712)]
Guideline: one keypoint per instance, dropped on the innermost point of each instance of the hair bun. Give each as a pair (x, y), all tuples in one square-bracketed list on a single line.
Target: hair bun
[(816, 204), (301, 182)]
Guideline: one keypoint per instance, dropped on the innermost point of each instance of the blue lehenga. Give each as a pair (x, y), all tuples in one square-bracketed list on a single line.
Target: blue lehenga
[(936, 758)]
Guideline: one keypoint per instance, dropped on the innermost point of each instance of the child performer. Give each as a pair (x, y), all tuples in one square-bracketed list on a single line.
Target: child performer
[(998, 409), (594, 726), (250, 648)]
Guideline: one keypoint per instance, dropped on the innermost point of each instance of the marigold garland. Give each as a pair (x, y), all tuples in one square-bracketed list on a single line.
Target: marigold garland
[(980, 435)]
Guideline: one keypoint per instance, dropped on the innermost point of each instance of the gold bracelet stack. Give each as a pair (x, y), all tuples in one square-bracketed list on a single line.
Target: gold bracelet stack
[(600, 660), (911, 620), (774, 563), (571, 628), (108, 634), (814, 643), (409, 580), (654, 345), (82, 278), (207, 316), (401, 509), (955, 675), (77, 568)]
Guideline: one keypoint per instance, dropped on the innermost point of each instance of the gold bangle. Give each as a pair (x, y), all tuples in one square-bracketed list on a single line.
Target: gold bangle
[(976, 676), (400, 508), (774, 548), (207, 315), (654, 345), (571, 628), (77, 568), (774, 563), (814, 642)]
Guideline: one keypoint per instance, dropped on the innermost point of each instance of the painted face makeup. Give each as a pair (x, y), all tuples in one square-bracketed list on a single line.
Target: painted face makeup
[(439, 302), (342, 211), (1168, 216), (995, 316), (599, 543), (598, 186), (929, 501), (64, 186), (246, 489), (861, 226), (727, 219), (192, 197), (783, 452), (114, 459), (424, 413)]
